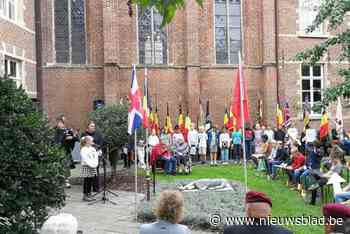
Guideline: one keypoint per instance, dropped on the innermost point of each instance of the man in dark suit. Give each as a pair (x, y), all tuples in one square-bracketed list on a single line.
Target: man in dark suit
[(258, 209)]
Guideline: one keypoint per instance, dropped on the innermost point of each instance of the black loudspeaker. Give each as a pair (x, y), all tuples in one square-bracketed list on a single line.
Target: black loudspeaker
[(98, 104)]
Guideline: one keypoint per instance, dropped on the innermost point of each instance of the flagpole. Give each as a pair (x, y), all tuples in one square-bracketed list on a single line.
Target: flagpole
[(240, 70), (135, 164), (147, 133)]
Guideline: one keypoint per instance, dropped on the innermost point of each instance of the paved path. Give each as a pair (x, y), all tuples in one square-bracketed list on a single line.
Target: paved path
[(105, 218)]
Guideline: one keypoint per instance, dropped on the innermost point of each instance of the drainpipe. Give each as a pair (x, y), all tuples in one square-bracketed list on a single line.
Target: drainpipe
[(38, 47), (276, 51)]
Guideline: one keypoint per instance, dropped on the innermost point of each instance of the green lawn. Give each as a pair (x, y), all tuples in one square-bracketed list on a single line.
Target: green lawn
[(285, 202)]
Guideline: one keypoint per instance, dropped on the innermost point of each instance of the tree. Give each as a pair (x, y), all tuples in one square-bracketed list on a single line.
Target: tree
[(31, 167), (166, 8), (112, 122), (334, 11)]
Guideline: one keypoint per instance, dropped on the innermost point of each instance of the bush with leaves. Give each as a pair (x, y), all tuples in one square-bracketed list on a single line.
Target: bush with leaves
[(31, 168), (112, 122)]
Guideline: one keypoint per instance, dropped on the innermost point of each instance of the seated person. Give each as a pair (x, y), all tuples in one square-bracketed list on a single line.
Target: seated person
[(322, 178), (336, 211), (296, 166), (313, 163), (258, 208), (181, 152), (262, 151), (281, 157), (163, 152), (169, 213), (60, 224)]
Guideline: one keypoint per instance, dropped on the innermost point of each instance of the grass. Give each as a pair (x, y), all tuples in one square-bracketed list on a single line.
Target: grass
[(286, 203)]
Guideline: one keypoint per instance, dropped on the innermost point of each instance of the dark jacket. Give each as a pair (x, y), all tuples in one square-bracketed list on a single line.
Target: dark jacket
[(280, 135), (313, 160), (255, 229), (282, 155)]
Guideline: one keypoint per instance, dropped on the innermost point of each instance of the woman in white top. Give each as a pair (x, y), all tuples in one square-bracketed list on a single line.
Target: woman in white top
[(224, 143), (202, 144), (89, 162)]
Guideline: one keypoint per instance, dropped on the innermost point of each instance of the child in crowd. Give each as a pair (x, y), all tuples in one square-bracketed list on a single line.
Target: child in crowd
[(237, 145), (224, 143), (213, 142), (202, 144), (89, 162)]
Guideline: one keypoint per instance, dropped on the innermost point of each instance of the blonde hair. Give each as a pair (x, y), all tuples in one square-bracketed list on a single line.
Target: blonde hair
[(170, 206), (84, 140)]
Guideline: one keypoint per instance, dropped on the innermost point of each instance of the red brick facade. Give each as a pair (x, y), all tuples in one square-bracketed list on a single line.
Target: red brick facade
[(17, 43), (191, 71)]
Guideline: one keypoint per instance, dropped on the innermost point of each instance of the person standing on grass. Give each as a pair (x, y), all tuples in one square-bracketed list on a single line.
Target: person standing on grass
[(202, 144), (249, 139), (213, 143), (224, 142), (192, 137), (237, 145)]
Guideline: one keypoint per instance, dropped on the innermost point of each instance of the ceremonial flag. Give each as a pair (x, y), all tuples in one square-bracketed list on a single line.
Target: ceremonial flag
[(240, 96), (145, 101), (286, 115), (201, 114), (135, 117), (306, 115), (155, 123), (207, 113), (279, 116), (339, 118), (226, 118), (168, 126), (324, 128), (260, 111), (188, 125), (181, 119)]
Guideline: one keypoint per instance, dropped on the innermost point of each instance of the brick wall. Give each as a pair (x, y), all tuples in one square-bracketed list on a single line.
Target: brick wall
[(191, 71)]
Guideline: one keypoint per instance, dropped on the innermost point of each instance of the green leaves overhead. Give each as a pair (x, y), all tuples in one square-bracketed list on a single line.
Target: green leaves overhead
[(166, 8)]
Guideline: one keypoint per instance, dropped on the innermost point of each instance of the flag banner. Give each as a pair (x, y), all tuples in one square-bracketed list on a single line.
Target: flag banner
[(339, 118), (200, 121), (324, 128), (260, 112), (279, 116), (181, 119), (239, 92), (145, 101), (306, 114), (168, 125), (226, 118), (135, 116), (286, 116)]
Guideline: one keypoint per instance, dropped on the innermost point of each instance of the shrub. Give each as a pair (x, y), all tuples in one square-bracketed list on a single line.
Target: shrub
[(31, 168), (112, 122)]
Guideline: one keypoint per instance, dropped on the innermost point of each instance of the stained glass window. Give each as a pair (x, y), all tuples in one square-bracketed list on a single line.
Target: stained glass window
[(227, 31), (70, 42), (152, 38)]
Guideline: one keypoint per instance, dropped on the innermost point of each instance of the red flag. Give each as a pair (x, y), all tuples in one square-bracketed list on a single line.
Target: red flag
[(324, 128), (236, 101)]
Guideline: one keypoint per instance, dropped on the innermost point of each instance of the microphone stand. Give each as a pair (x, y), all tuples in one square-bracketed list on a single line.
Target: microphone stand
[(105, 191)]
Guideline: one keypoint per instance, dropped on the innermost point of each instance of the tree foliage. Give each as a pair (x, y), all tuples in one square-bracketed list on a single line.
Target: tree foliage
[(333, 11), (166, 8), (31, 168)]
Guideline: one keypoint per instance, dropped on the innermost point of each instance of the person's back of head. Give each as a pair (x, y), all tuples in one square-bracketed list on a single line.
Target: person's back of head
[(258, 205), (60, 224), (170, 206)]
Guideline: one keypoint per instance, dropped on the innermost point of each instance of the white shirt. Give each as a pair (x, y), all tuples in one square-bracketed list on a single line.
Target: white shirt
[(202, 139), (269, 134), (89, 156), (177, 137), (310, 135), (224, 137), (293, 133), (192, 137), (153, 140)]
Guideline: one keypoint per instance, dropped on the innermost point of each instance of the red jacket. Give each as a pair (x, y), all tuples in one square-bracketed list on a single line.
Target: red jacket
[(298, 161)]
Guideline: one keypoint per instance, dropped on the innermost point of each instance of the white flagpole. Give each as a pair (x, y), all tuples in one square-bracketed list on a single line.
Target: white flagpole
[(146, 140), (240, 70), (135, 165)]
